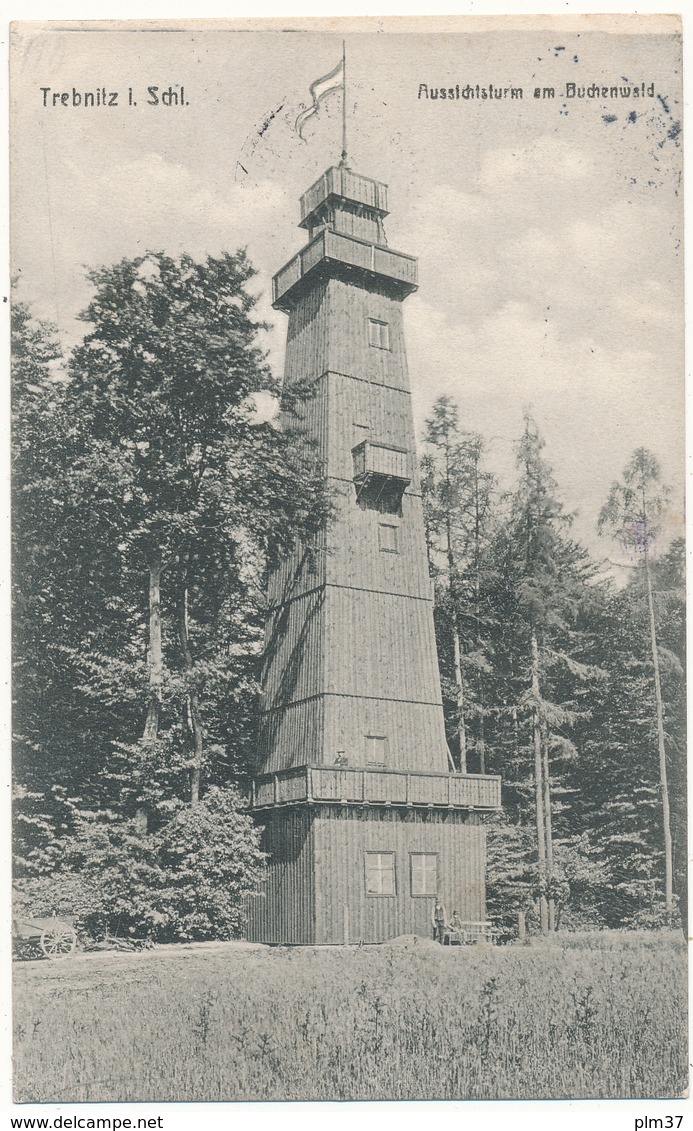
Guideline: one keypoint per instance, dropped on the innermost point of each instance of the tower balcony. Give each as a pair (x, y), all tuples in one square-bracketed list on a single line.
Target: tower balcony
[(381, 472), (371, 458), (333, 255), (357, 786)]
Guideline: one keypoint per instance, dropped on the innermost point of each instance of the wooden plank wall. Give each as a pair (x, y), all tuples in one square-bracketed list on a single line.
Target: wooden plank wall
[(328, 331), (284, 912), (350, 221), (308, 335), (342, 836), (295, 651), (316, 729), (354, 556), (349, 351), (359, 409), (366, 642), (378, 644), (292, 736), (414, 731)]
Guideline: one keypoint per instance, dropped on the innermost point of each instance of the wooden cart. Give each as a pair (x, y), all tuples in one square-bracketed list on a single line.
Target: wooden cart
[(52, 938)]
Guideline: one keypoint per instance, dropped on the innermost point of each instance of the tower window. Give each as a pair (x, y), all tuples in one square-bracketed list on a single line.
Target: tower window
[(378, 334), (388, 538), (380, 873), (376, 750), (424, 873)]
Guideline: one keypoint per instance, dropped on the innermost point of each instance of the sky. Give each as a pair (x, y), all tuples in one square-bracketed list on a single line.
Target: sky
[(548, 231)]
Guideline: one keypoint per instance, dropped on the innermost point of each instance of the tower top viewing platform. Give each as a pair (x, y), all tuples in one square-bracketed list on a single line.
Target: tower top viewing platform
[(343, 214), (339, 183)]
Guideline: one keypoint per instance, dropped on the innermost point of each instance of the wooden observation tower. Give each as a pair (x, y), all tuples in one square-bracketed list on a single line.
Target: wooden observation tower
[(364, 823)]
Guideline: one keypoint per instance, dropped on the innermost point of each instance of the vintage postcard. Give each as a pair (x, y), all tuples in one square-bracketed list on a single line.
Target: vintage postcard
[(349, 691)]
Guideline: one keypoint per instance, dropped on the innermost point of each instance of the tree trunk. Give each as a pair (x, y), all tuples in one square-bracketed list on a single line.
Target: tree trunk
[(481, 745), (193, 701), (155, 658), (155, 665), (538, 789), (666, 815), (548, 823), (457, 646), (461, 728), (514, 714)]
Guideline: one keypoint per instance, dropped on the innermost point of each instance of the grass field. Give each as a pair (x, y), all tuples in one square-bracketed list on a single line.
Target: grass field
[(586, 1016)]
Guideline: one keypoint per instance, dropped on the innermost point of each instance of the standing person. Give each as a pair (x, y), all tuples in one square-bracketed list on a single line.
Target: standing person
[(439, 920)]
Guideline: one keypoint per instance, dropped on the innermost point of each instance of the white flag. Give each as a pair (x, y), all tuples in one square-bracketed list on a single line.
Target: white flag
[(319, 90)]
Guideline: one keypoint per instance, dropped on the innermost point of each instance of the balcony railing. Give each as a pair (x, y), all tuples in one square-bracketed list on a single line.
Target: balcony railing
[(371, 458), (342, 182), (353, 785), (350, 253)]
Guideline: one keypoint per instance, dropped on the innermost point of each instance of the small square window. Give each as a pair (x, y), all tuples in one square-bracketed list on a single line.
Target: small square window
[(376, 750), (388, 537), (378, 334), (380, 873), (424, 873)]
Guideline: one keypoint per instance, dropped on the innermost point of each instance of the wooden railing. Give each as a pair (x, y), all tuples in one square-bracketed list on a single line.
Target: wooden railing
[(333, 246), (372, 458), (344, 183), (379, 787)]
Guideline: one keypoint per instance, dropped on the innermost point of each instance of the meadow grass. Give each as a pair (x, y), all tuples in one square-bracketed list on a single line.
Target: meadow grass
[(602, 1015)]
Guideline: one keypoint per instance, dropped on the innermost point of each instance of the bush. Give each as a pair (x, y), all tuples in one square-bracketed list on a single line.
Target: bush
[(209, 854), (188, 881)]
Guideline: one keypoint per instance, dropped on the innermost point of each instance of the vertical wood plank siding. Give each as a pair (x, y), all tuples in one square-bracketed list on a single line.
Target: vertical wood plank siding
[(291, 736), (328, 331), (284, 911), (315, 730), (308, 334), (379, 647), (354, 627), (294, 658), (343, 836), (353, 223), (359, 562), (350, 351)]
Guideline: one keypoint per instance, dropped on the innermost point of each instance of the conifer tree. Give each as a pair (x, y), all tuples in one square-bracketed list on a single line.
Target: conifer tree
[(633, 512), (545, 578), (458, 493)]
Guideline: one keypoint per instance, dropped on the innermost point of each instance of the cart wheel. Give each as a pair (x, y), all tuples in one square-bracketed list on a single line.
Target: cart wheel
[(58, 941)]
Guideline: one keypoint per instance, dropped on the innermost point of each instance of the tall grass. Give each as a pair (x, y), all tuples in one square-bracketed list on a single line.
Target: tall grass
[(603, 1017)]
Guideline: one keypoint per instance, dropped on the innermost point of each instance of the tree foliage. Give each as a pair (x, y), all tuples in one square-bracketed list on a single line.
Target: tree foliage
[(151, 499), (458, 494), (187, 881), (565, 685)]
